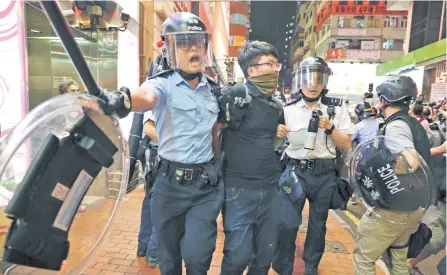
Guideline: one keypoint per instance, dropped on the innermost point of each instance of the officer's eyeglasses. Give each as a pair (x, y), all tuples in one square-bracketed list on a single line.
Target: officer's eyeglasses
[(273, 65)]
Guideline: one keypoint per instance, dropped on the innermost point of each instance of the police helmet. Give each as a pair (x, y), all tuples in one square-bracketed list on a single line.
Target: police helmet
[(399, 89), (182, 23), (183, 31), (312, 71), (363, 111)]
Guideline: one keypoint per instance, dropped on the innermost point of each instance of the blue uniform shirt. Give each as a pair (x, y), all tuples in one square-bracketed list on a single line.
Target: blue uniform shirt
[(184, 118), (366, 129), (149, 115)]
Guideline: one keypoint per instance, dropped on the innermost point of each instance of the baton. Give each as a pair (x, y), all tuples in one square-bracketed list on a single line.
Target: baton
[(63, 30)]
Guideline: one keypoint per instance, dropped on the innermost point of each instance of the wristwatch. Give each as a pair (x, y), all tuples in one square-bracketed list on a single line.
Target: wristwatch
[(329, 132)]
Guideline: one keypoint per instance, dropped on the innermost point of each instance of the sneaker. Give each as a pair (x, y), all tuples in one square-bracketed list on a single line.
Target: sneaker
[(353, 200), (152, 262), (414, 270), (141, 252)]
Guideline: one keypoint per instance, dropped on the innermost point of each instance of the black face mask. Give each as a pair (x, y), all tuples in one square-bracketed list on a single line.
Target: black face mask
[(188, 76)]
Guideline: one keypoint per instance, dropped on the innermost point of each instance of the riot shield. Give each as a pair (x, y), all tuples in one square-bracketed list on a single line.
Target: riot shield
[(391, 179), (63, 174)]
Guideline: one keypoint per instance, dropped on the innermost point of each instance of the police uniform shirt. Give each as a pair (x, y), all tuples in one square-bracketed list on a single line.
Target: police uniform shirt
[(184, 118), (250, 150), (149, 115), (297, 117), (366, 129)]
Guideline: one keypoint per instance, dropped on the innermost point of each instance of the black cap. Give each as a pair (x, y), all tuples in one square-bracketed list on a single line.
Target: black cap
[(398, 89), (363, 111), (182, 22)]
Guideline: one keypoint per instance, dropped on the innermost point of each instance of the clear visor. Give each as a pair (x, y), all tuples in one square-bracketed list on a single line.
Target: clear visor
[(190, 52), (311, 77)]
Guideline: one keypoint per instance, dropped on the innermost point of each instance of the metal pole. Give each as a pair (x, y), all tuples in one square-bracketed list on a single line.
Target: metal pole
[(63, 30), (442, 21)]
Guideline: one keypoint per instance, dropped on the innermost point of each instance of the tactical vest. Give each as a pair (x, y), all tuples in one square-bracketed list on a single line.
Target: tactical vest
[(419, 133), (235, 116)]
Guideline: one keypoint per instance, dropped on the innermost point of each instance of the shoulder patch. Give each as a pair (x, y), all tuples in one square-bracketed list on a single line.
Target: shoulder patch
[(293, 101), (326, 100), (162, 74)]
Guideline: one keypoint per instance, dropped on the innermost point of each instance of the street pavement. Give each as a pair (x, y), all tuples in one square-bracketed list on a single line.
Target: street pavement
[(117, 257), (352, 217)]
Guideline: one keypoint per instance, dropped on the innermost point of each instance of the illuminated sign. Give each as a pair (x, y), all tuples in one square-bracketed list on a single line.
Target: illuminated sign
[(237, 41)]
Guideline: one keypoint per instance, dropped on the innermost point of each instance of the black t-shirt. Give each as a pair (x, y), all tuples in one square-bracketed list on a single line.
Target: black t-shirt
[(250, 150)]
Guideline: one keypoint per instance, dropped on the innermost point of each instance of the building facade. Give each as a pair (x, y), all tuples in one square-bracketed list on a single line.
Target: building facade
[(310, 21), (239, 26), (359, 31), (425, 58), (298, 43)]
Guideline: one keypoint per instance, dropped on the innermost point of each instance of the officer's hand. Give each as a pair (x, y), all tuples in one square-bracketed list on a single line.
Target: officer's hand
[(325, 123), (116, 102), (282, 131), (240, 102)]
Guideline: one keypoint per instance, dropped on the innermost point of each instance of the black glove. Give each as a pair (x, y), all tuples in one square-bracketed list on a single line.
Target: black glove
[(241, 103), (116, 102)]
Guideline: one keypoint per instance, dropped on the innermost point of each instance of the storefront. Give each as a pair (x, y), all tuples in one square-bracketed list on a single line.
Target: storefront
[(426, 66)]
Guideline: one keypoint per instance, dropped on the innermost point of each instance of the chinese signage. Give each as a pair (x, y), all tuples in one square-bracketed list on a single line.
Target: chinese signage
[(237, 41), (352, 54), (13, 76), (366, 8), (437, 91)]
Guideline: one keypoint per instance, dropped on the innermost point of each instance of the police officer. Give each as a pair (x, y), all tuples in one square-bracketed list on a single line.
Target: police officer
[(315, 168), (251, 170), (368, 125), (392, 229), (365, 129), (146, 238), (186, 196)]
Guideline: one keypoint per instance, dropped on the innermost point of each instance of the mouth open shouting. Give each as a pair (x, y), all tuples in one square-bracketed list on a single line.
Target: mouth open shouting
[(195, 60)]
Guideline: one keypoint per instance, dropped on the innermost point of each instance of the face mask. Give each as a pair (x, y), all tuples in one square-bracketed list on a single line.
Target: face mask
[(266, 83)]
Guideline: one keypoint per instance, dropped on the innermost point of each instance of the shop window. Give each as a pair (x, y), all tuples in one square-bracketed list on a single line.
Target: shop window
[(374, 2), (373, 22), (391, 22), (360, 22), (358, 2), (341, 22), (393, 45), (343, 2), (403, 23)]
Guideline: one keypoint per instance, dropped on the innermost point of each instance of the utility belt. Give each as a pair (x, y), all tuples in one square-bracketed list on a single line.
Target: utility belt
[(318, 166), (205, 174)]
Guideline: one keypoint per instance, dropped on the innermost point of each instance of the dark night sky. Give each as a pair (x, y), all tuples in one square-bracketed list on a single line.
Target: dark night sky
[(268, 23)]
